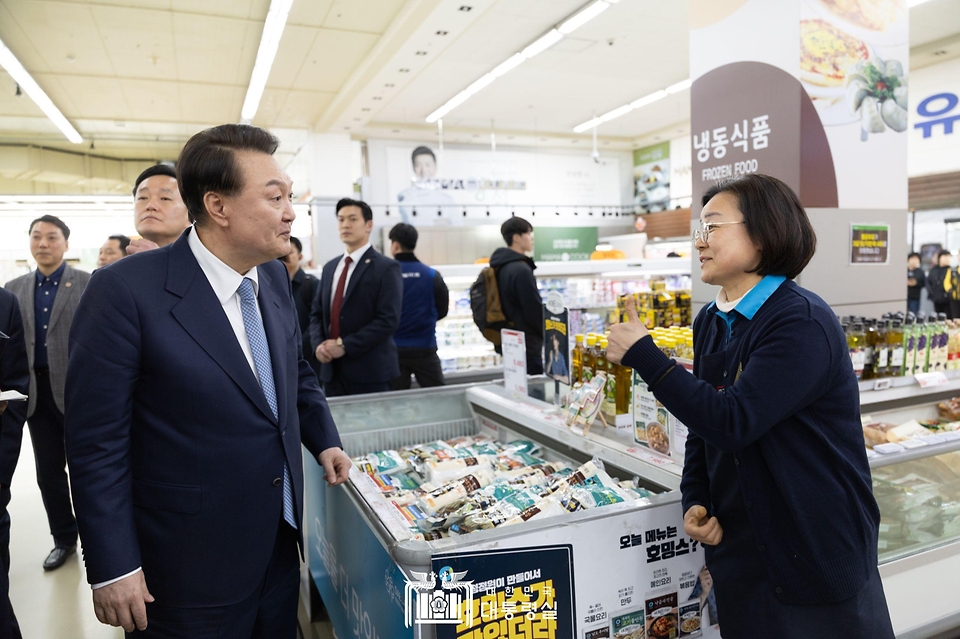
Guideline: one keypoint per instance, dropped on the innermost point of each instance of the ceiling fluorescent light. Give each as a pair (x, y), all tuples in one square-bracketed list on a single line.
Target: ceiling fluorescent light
[(20, 75), (479, 84), (580, 128), (544, 43), (679, 86), (649, 99), (584, 17), (512, 63), (269, 42), (451, 104), (616, 113)]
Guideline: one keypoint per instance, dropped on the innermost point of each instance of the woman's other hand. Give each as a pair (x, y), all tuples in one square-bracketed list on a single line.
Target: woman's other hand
[(623, 336), (697, 526)]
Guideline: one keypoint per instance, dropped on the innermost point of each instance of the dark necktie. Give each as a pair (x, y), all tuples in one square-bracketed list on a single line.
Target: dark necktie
[(338, 300)]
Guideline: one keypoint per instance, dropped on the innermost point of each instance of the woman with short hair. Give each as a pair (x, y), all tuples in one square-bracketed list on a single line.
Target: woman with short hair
[(776, 483)]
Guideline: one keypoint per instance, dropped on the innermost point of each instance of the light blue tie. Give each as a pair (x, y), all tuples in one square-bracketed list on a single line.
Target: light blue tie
[(261, 360)]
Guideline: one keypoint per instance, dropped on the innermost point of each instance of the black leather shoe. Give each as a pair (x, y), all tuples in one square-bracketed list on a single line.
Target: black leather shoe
[(58, 557)]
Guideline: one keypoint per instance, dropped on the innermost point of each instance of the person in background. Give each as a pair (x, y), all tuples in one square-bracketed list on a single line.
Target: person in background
[(305, 289), (775, 482), (916, 282), (519, 295), (14, 375), (158, 210), (188, 407), (48, 298), (112, 250), (357, 311), (936, 277), (426, 300)]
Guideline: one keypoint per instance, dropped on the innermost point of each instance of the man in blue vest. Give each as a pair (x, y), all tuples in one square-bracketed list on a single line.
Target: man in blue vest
[(425, 300)]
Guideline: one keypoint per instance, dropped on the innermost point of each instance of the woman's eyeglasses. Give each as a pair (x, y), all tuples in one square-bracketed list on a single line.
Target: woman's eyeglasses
[(703, 233)]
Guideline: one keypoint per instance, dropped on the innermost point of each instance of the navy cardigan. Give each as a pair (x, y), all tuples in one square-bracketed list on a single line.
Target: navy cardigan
[(790, 414)]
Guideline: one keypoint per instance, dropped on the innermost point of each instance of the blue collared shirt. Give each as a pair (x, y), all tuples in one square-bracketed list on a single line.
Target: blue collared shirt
[(752, 301), (43, 299)]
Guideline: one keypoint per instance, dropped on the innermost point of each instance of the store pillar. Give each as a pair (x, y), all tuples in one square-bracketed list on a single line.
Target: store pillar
[(814, 93), (331, 179)]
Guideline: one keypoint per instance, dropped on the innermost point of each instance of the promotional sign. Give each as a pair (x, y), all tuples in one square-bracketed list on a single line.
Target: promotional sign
[(660, 588), (514, 361), (556, 330), (826, 73), (517, 593), (935, 119), (564, 244), (651, 177), (425, 182), (869, 244)]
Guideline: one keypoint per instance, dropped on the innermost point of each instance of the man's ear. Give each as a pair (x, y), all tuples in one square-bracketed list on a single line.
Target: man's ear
[(215, 205)]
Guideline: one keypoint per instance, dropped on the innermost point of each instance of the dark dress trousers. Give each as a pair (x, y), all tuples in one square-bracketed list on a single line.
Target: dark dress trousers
[(369, 317), (305, 287), (175, 456)]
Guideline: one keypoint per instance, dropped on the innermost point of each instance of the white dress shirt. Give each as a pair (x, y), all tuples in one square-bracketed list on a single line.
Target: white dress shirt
[(355, 257), (225, 281)]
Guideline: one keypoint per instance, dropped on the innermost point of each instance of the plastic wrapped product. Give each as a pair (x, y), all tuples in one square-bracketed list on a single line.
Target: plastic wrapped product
[(386, 462), (392, 485), (593, 496), (453, 492), (423, 450), (438, 472)]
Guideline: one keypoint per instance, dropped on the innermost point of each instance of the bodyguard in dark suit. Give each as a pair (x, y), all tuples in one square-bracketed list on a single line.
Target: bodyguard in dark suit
[(48, 298), (358, 310), (305, 287), (14, 375), (188, 400)]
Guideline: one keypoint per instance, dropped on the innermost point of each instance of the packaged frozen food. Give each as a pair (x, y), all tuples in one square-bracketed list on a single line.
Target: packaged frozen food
[(876, 433), (454, 491), (386, 462)]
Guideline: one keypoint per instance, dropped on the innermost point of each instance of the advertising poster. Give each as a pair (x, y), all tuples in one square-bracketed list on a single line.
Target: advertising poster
[(517, 593), (869, 244), (431, 187), (556, 330), (651, 177), (564, 244)]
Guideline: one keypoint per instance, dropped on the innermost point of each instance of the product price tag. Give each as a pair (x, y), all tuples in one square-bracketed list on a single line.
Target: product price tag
[(934, 439), (656, 460), (883, 384), (514, 362), (872, 453), (913, 443), (888, 449), (950, 436), (926, 380)]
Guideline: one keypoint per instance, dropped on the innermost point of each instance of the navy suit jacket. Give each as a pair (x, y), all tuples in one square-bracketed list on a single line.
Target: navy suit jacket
[(175, 457), (14, 375), (369, 317)]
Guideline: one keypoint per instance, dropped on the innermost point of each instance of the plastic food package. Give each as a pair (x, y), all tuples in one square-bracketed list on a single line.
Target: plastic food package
[(438, 472), (452, 492), (386, 462)]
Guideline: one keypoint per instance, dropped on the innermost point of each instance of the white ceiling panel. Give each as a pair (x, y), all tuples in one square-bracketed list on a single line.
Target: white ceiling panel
[(934, 20), (215, 50), (153, 100), (291, 55), (87, 96), (367, 16), (243, 9), (213, 104), (332, 58), (139, 42), (309, 13)]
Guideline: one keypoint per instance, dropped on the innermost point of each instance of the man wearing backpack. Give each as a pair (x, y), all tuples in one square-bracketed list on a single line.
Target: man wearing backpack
[(519, 297)]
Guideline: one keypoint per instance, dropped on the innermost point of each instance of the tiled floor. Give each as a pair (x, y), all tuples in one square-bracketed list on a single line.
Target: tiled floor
[(48, 605)]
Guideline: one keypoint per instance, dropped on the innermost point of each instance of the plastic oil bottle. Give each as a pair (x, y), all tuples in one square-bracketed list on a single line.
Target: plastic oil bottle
[(872, 338), (856, 343), (895, 346), (609, 404), (922, 329), (943, 337), (910, 345), (881, 350), (577, 359), (589, 367)]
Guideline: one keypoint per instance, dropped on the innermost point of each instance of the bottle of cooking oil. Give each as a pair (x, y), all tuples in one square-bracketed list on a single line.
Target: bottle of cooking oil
[(624, 398), (856, 342), (953, 349), (882, 350), (589, 366), (609, 404), (942, 339), (922, 329), (872, 337), (895, 347), (910, 336), (577, 360)]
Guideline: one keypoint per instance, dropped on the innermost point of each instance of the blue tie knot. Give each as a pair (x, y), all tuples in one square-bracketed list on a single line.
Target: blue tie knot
[(245, 291)]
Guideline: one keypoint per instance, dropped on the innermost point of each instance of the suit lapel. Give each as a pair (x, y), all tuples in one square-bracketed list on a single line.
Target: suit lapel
[(200, 314), (271, 312), (29, 317), (64, 291), (358, 272)]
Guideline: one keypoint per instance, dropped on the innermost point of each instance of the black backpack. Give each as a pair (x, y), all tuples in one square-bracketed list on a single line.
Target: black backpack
[(485, 304)]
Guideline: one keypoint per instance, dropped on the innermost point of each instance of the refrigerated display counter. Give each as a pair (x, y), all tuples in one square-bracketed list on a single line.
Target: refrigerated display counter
[(607, 567)]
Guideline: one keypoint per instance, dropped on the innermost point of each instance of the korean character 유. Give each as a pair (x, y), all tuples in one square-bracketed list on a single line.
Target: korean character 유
[(740, 136), (719, 142), (761, 132), (701, 143)]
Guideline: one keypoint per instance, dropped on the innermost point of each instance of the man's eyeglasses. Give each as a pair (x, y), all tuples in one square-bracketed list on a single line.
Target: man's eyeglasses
[(703, 233)]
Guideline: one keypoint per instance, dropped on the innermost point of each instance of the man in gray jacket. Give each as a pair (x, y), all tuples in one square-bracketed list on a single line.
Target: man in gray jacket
[(48, 298)]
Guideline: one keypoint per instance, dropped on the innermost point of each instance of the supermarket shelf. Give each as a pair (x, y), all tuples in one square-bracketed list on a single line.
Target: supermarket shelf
[(905, 388), (601, 268), (616, 447), (919, 448), (472, 375)]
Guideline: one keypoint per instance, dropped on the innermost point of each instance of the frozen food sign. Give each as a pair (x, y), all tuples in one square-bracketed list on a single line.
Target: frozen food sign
[(869, 244), (746, 135)]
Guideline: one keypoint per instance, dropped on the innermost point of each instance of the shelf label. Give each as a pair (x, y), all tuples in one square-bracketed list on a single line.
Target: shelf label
[(883, 384), (926, 380), (913, 443), (888, 449), (656, 460), (514, 361)]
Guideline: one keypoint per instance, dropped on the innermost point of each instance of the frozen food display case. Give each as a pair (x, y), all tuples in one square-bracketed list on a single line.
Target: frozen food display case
[(610, 571)]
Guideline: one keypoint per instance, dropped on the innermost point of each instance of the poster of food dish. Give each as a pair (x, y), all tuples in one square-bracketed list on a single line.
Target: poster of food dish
[(651, 177)]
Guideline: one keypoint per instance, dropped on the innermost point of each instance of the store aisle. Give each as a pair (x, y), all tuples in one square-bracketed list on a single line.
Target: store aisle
[(52, 605)]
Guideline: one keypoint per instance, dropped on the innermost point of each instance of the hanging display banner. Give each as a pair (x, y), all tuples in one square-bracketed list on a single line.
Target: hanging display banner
[(556, 330), (564, 243), (651, 177), (514, 361), (660, 589), (869, 244), (819, 101)]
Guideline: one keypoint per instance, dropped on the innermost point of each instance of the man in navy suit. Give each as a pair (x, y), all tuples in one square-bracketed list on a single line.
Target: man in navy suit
[(357, 311), (188, 399)]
